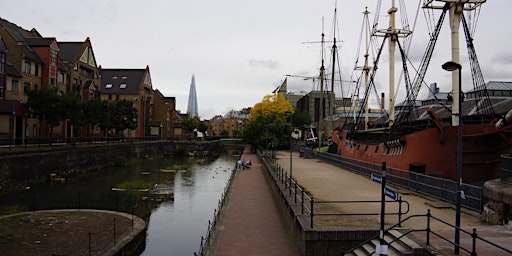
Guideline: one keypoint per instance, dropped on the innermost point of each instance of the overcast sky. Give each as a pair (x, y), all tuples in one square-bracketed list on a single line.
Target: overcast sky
[(241, 50)]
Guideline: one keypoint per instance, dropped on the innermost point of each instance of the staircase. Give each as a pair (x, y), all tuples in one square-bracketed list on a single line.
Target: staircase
[(396, 247)]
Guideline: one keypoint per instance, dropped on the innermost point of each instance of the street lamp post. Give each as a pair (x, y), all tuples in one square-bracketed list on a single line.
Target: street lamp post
[(288, 112), (452, 66)]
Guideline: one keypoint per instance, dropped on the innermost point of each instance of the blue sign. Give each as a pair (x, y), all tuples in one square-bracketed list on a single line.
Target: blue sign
[(377, 178), (387, 191), (391, 193)]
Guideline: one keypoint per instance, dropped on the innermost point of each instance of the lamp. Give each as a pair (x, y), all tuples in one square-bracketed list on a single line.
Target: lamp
[(452, 66)]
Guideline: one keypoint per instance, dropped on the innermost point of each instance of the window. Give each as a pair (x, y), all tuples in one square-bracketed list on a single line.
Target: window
[(27, 130), (36, 70), (54, 58), (26, 87), (15, 86), (61, 78), (2, 62), (122, 86), (52, 82), (34, 130), (27, 67), (108, 86)]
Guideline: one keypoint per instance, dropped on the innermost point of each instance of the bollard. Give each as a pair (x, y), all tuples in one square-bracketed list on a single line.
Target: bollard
[(474, 236), (90, 243), (114, 230), (312, 214), (302, 202), (428, 227), (295, 197), (400, 211)]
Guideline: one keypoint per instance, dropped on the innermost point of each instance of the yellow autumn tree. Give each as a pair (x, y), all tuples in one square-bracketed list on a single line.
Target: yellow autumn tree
[(274, 105), (269, 126)]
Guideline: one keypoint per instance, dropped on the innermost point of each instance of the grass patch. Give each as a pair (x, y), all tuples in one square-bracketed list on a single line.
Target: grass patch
[(177, 168), (132, 185)]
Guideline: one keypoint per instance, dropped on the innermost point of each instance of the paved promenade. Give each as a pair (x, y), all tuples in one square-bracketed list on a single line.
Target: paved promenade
[(252, 226)]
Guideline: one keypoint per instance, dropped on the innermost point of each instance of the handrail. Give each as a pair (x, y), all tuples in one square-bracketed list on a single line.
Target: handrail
[(281, 178), (307, 202), (428, 230), (205, 240)]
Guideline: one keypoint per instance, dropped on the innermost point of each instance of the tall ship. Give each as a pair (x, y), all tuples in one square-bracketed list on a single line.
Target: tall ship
[(427, 140)]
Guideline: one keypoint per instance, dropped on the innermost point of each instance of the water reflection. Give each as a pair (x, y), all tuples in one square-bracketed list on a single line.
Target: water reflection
[(178, 207)]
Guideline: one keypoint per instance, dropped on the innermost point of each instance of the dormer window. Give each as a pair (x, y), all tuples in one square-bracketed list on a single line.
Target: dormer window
[(122, 86), (108, 86)]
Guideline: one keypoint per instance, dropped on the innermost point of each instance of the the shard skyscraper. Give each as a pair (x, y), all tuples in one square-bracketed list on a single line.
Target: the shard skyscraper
[(192, 99)]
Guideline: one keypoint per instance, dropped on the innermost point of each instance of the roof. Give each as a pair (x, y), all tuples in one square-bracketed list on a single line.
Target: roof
[(495, 86), (8, 106), (20, 35), (2, 45), (11, 70), (69, 50), (121, 81), (42, 41)]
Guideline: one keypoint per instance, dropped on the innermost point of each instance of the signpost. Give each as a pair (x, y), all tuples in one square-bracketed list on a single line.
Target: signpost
[(387, 191)]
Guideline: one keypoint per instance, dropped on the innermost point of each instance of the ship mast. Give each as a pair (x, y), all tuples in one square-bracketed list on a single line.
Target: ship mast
[(393, 33), (366, 69), (321, 108), (455, 10), (331, 95)]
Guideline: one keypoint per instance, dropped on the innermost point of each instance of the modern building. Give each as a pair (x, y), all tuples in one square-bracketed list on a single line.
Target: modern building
[(192, 99), (133, 85)]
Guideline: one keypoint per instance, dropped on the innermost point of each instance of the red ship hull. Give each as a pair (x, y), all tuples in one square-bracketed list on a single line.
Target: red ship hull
[(433, 151)]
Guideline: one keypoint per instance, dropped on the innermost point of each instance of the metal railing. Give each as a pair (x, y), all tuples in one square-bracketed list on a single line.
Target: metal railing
[(428, 232), (309, 206), (212, 224), (38, 142), (442, 189)]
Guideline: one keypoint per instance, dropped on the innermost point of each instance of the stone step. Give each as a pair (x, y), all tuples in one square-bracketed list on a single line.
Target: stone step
[(400, 247)]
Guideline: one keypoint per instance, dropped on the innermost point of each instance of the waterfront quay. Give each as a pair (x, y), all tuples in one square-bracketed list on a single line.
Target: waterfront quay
[(259, 220)]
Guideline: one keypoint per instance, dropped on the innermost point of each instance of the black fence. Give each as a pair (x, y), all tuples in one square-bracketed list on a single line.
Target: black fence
[(68, 141), (429, 232), (442, 189), (313, 208), (206, 240)]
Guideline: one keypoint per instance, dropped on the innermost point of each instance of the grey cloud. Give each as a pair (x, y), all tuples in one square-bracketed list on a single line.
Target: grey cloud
[(270, 64)]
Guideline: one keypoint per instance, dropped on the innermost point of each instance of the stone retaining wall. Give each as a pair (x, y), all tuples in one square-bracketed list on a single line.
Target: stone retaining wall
[(70, 160), (313, 241)]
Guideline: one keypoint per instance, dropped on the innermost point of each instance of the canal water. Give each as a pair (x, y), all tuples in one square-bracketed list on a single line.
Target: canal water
[(178, 207)]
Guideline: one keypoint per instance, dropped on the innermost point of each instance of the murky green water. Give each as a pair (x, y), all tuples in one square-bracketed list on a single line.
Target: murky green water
[(178, 208)]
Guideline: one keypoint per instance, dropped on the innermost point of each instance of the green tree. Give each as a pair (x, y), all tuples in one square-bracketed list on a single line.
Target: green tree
[(44, 104), (97, 114), (188, 124), (269, 122), (202, 127), (70, 109), (301, 118), (237, 133), (124, 116)]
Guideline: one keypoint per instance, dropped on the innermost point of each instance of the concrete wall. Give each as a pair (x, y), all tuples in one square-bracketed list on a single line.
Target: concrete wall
[(68, 160), (312, 241)]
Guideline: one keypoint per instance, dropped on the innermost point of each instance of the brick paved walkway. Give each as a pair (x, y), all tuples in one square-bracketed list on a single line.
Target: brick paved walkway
[(252, 224)]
